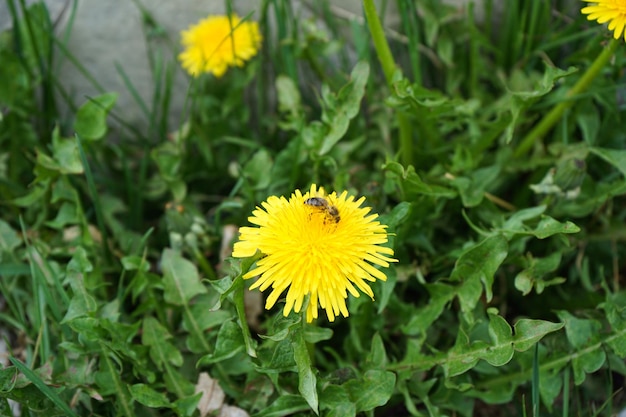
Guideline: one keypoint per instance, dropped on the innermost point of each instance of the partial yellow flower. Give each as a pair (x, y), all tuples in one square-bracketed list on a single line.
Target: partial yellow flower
[(316, 245), (218, 42), (612, 11)]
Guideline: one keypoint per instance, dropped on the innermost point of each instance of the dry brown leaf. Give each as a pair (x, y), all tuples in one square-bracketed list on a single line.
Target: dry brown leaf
[(232, 411), (212, 394), (229, 233)]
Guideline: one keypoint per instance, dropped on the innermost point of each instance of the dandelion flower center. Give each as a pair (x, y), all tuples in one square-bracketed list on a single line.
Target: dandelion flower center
[(315, 245), (612, 11)]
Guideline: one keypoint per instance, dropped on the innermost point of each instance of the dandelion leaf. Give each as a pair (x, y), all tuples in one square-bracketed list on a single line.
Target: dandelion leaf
[(90, 123), (584, 336), (476, 268), (344, 107), (372, 390), (156, 337), (180, 278), (615, 157), (147, 396), (307, 381), (336, 400), (229, 343)]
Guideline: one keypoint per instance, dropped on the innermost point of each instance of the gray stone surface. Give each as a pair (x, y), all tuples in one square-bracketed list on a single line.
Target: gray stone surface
[(106, 32)]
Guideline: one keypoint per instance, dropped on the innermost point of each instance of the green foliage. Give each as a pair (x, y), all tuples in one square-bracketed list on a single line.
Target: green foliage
[(118, 294)]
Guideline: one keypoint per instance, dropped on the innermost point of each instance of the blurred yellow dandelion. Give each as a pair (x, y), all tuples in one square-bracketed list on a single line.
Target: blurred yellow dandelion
[(612, 11), (314, 244), (218, 42)]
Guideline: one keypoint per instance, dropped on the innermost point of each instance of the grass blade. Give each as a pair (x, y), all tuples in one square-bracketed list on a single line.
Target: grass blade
[(46, 390), (95, 198)]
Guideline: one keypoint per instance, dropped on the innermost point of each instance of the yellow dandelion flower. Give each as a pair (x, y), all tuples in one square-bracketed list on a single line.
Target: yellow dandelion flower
[(612, 11), (218, 42), (323, 246)]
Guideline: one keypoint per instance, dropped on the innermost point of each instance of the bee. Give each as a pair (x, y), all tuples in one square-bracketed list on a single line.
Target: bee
[(323, 205)]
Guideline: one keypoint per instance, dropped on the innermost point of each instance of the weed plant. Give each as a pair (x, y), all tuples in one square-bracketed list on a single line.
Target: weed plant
[(493, 149)]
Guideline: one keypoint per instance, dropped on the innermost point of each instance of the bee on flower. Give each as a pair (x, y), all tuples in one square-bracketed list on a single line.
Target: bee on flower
[(316, 245), (218, 42)]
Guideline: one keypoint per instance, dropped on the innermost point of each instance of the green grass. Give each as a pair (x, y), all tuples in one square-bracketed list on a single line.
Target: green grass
[(493, 150)]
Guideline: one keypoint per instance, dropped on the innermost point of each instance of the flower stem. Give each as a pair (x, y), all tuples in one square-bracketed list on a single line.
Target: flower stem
[(389, 67), (550, 119), (380, 42)]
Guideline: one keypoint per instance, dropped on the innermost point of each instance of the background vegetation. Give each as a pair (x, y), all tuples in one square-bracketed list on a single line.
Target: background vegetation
[(118, 295)]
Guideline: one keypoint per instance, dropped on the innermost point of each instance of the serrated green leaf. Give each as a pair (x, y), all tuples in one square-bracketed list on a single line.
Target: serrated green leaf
[(181, 281), (440, 295), (108, 378), (615, 309), (528, 332), (521, 100), (550, 384), (284, 405), (533, 276), (82, 303), (17, 92), (461, 358), (517, 219), (501, 351), (472, 189), (618, 342), (580, 332), (317, 334), (38, 191), (279, 358), (168, 158), (90, 123), (615, 157), (8, 377), (258, 169), (289, 100), (587, 363), (80, 262), (199, 318), (229, 343), (372, 390), (67, 215), (546, 227), (145, 395), (476, 268), (307, 381), (66, 155), (156, 337), (583, 333), (549, 226), (464, 355), (205, 318), (187, 406), (413, 184), (339, 112), (336, 400), (43, 387), (9, 239), (377, 357), (176, 382)]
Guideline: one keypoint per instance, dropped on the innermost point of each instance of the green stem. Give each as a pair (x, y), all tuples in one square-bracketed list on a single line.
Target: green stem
[(180, 393), (380, 42), (389, 68), (238, 300), (204, 265), (121, 389), (195, 328), (550, 119)]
